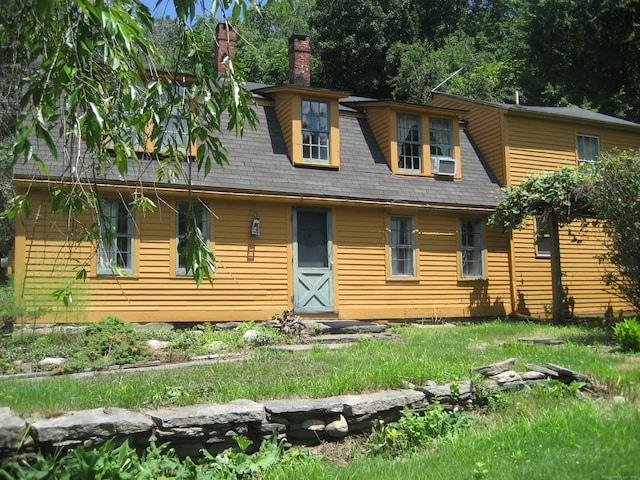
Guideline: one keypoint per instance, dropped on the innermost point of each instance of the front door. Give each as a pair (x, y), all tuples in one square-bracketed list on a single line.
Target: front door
[(312, 261)]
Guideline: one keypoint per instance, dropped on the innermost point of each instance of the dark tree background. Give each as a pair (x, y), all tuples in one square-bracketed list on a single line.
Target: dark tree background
[(554, 52)]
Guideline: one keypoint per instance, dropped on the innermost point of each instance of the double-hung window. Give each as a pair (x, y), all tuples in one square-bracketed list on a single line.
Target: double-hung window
[(115, 249), (190, 218), (315, 131), (402, 246), (543, 239), (471, 248), (176, 125), (409, 143), (441, 138), (588, 149)]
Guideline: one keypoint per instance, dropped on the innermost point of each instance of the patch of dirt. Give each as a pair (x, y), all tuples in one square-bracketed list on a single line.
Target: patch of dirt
[(341, 452)]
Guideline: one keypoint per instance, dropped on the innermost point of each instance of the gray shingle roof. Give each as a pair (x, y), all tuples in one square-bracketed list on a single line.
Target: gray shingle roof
[(573, 113), (259, 164)]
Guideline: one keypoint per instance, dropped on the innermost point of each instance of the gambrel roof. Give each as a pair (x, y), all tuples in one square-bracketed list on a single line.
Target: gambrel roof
[(259, 165)]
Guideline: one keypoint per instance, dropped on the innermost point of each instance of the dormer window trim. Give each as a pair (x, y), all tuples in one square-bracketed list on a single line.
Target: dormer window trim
[(288, 105), (385, 118)]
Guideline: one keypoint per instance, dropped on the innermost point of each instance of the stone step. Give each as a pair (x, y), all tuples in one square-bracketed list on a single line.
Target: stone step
[(332, 327)]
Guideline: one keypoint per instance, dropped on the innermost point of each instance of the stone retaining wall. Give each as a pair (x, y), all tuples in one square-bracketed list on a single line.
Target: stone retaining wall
[(299, 421)]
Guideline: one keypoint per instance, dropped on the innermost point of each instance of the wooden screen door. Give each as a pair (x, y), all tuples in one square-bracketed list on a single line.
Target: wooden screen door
[(312, 261)]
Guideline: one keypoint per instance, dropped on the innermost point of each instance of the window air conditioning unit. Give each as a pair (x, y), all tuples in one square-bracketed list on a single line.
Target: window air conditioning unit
[(445, 166)]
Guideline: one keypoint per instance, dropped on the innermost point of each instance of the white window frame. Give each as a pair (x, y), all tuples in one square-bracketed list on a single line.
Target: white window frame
[(588, 148), (316, 125), (402, 246), (116, 248), (468, 250), (204, 226), (409, 143), (543, 239)]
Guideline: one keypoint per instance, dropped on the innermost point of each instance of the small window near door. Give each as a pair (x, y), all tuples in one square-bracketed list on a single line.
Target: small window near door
[(471, 248), (402, 246)]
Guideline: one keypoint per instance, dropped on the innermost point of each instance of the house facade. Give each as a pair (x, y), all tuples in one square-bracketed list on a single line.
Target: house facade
[(519, 140), (335, 206)]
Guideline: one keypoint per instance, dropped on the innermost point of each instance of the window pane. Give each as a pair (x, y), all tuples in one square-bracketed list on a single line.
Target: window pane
[(543, 240), (402, 246), (315, 131), (312, 239), (115, 250), (409, 143), (190, 217), (588, 148), (471, 248), (440, 137), (472, 263)]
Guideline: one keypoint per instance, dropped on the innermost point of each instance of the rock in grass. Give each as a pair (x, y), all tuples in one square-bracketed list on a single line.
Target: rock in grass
[(158, 344), (546, 371), (52, 361), (12, 430), (494, 368), (541, 340), (566, 375)]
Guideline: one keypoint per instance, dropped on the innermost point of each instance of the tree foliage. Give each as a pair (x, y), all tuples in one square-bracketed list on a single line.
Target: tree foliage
[(561, 194), (582, 53), (559, 197), (263, 44), (615, 197), (91, 90)]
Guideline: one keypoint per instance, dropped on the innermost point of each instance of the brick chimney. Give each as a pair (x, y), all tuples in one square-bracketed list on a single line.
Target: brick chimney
[(225, 45), (300, 60)]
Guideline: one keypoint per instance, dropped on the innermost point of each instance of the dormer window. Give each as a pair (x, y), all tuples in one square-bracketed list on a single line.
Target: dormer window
[(315, 131), (440, 138), (175, 126), (409, 143)]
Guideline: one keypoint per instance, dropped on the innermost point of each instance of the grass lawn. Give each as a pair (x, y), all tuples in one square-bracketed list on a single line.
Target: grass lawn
[(538, 433)]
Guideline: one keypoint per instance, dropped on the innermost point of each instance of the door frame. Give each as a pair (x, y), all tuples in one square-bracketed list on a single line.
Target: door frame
[(328, 270)]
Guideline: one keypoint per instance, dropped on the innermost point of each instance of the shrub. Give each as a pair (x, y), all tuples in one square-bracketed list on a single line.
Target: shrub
[(627, 334), (111, 341)]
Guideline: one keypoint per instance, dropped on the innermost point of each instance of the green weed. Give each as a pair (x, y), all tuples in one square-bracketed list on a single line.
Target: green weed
[(415, 430), (157, 461), (627, 334)]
